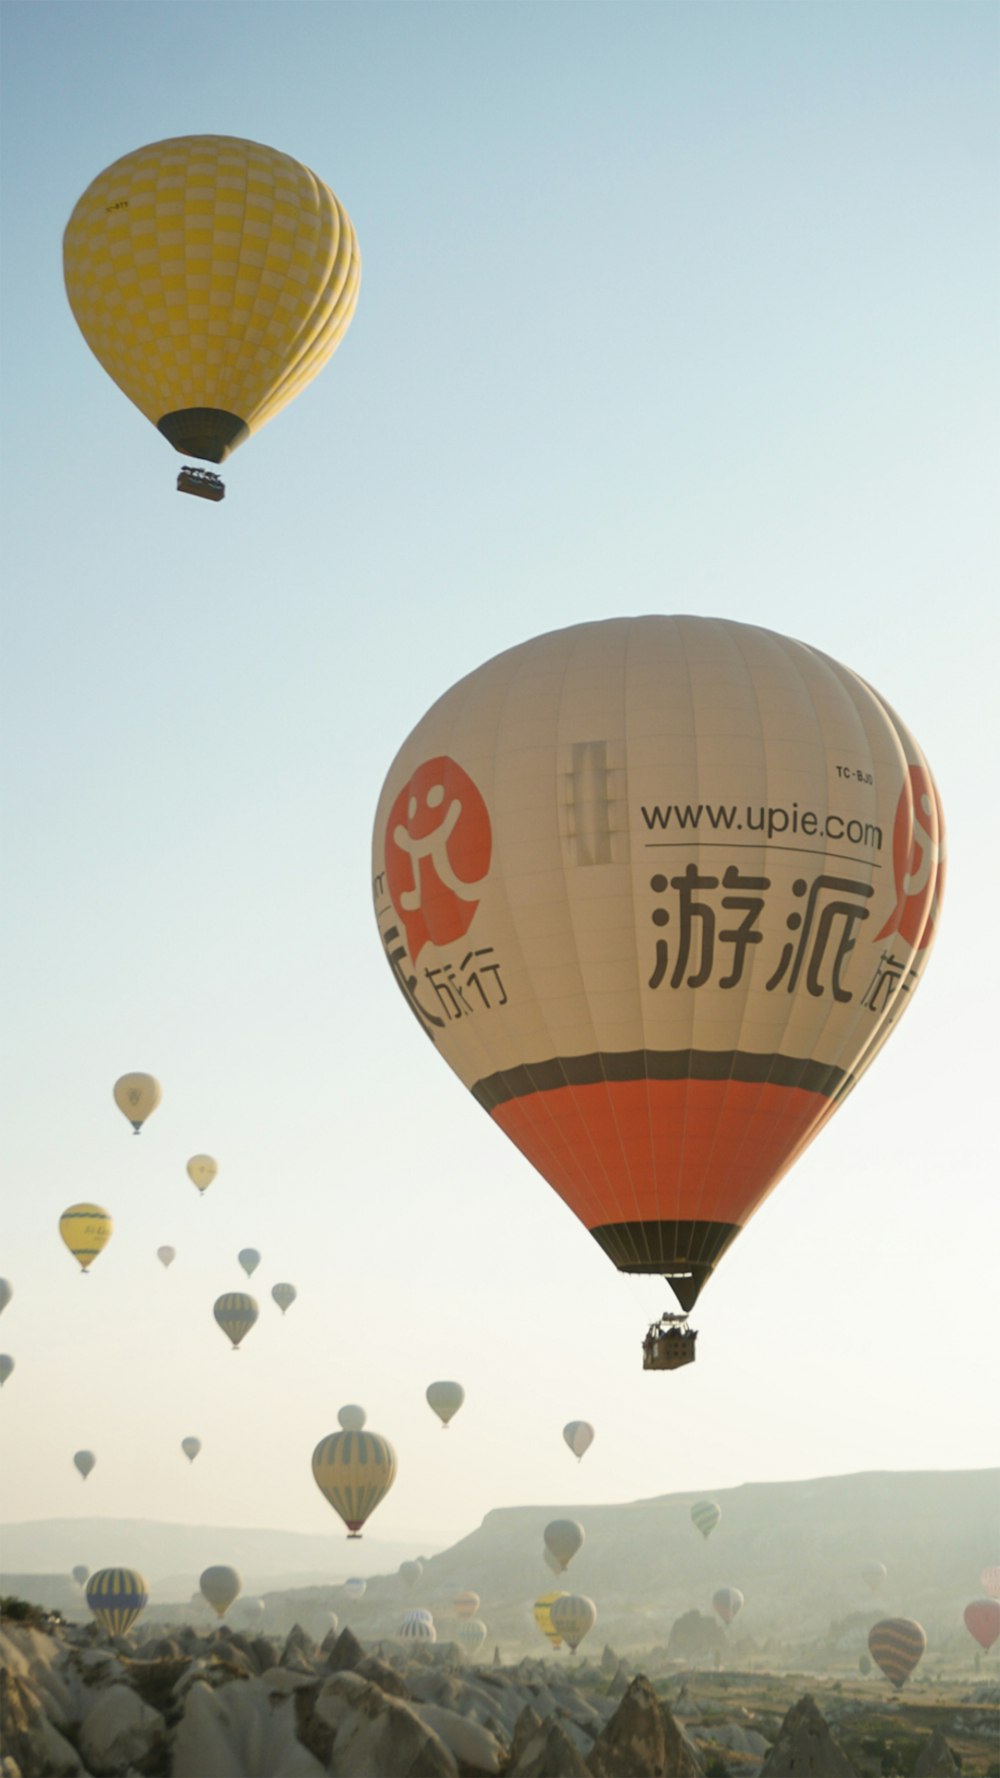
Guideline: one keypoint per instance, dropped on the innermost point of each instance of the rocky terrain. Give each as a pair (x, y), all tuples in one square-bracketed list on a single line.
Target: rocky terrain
[(232, 1705)]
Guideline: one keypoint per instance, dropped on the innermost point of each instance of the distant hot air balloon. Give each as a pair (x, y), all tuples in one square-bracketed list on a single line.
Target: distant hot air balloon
[(249, 1259), (355, 1587), (410, 1572), (579, 1436), (982, 1620), (705, 1515), (220, 1586), (6, 1367), (166, 1255), (210, 358), (137, 1096), (284, 1295), (896, 1645), (989, 1580), (236, 1313), (864, 1665), (685, 874), (445, 1399), (84, 1461), (541, 1611), (190, 1447), (352, 1418), (418, 1626), (354, 1472), (466, 1604), (116, 1597), (874, 1575), (6, 1292), (202, 1170), (86, 1230), (728, 1602), (80, 1573), (573, 1618), (470, 1636), (563, 1537)]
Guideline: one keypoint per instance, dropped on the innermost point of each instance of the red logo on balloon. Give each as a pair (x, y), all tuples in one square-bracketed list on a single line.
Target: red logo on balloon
[(917, 860), (438, 842)]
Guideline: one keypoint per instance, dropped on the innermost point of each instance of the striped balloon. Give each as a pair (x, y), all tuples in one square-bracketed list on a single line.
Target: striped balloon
[(284, 1295), (466, 1604), (418, 1626), (354, 1472), (236, 1313), (116, 1597), (982, 1620), (573, 1617), (896, 1645), (728, 1602), (989, 1580), (86, 1230), (706, 1515), (579, 1436), (470, 1636)]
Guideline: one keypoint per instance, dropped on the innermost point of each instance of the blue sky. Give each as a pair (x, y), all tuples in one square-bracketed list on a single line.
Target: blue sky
[(681, 307)]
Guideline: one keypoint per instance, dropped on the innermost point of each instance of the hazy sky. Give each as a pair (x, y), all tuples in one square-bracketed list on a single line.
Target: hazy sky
[(675, 307)]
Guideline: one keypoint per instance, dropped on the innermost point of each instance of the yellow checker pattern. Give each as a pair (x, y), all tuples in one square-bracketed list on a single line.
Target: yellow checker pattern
[(211, 272)]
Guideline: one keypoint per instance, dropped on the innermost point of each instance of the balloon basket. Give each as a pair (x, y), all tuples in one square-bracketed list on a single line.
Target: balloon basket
[(201, 482), (669, 1344)]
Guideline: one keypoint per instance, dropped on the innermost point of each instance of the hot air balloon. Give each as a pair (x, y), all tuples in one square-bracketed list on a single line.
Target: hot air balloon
[(284, 1295), (541, 1611), (896, 1645), (864, 1665), (202, 1170), (354, 1472), (116, 1597), (86, 1230), (410, 1572), (236, 1313), (249, 1259), (84, 1461), (355, 1587), (470, 1636), (989, 1580), (658, 889), (220, 1586), (874, 1575), (80, 1573), (466, 1604), (445, 1399), (137, 1096), (705, 1515), (982, 1620), (563, 1537), (573, 1618), (6, 1367), (190, 1447), (6, 1292), (418, 1626), (728, 1602), (352, 1418), (579, 1436), (166, 1255), (209, 356)]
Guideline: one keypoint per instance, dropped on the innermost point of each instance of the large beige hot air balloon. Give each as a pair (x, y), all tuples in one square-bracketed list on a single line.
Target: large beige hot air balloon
[(137, 1096), (212, 277), (659, 889), (354, 1472)]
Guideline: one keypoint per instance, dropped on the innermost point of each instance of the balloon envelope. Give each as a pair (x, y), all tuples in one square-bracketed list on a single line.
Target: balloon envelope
[(355, 1587), (896, 1645), (6, 1292), (236, 1313), (249, 1259), (705, 1514), (573, 1618), (541, 1611), (6, 1367), (202, 1170), (410, 1572), (874, 1575), (466, 1604), (728, 1602), (220, 1586), (352, 1418), (445, 1399), (563, 1537), (84, 1461), (982, 1620), (418, 1626), (86, 1230), (116, 1596), (137, 1096), (658, 889), (80, 1573), (284, 1295), (166, 1255), (190, 1447), (209, 356), (989, 1580), (470, 1636), (579, 1436), (354, 1472)]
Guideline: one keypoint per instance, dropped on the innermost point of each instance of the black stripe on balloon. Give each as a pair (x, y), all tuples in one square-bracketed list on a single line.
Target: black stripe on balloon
[(601, 1067)]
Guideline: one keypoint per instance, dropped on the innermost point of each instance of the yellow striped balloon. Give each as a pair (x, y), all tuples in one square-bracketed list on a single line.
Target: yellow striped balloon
[(212, 278), (86, 1230), (236, 1313), (573, 1618), (116, 1597), (896, 1645), (706, 1515), (354, 1472), (541, 1611)]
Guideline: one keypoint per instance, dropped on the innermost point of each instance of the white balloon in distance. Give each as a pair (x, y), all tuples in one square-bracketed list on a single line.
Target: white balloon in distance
[(658, 889), (351, 1417)]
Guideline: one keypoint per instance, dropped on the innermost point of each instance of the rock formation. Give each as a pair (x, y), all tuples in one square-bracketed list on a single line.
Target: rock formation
[(805, 1747)]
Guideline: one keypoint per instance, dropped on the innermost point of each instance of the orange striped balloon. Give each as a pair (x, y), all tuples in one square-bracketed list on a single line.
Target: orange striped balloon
[(896, 1645)]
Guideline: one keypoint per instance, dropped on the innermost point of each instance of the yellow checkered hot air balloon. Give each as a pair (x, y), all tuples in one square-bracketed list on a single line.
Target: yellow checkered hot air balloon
[(86, 1230), (212, 278), (354, 1472), (116, 1596)]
